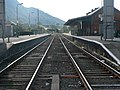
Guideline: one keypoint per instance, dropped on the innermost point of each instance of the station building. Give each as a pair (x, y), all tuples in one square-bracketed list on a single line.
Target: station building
[(91, 24)]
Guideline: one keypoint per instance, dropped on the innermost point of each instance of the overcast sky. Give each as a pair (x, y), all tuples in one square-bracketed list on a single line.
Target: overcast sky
[(66, 9)]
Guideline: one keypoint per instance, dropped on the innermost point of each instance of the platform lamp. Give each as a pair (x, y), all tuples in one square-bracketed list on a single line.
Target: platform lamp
[(30, 21), (101, 25), (17, 17)]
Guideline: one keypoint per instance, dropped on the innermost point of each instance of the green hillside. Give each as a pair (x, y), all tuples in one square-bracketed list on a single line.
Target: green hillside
[(44, 18)]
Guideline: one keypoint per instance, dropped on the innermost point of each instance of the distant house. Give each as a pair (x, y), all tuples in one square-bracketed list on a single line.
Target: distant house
[(8, 32), (9, 29), (90, 24)]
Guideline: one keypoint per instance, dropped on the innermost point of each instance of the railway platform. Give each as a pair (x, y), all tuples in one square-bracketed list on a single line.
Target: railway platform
[(111, 45), (21, 38), (16, 40)]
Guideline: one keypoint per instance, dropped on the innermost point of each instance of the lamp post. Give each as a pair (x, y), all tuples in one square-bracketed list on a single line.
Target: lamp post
[(17, 17), (101, 25), (38, 19), (30, 22)]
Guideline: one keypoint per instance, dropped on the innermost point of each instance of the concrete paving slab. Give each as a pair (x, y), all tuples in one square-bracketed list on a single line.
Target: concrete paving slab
[(55, 82)]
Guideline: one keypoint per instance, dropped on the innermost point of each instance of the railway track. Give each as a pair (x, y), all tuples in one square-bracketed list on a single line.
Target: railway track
[(58, 65), (17, 74), (57, 71), (99, 75)]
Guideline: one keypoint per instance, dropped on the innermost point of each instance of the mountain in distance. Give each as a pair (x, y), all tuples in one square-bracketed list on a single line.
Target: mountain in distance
[(26, 14)]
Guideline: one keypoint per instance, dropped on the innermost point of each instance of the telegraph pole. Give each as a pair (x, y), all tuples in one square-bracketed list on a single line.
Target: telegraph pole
[(17, 17), (38, 18)]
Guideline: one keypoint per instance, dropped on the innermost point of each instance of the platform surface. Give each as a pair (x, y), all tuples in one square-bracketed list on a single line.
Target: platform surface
[(15, 40), (21, 38)]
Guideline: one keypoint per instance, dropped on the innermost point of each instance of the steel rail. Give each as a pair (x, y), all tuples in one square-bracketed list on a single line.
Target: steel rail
[(108, 51), (115, 72), (15, 61), (82, 76), (25, 49), (112, 70), (108, 60), (36, 71)]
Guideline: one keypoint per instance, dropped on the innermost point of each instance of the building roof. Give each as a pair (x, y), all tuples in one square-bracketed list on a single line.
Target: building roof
[(75, 21), (10, 22), (83, 18)]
